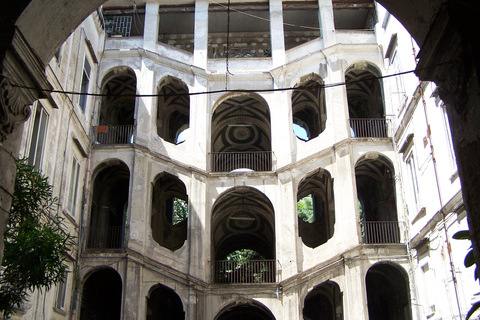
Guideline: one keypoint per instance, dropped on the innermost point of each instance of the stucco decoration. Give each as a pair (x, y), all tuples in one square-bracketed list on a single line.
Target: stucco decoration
[(13, 107)]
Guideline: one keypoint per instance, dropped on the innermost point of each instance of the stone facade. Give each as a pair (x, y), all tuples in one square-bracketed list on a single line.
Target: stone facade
[(374, 244)]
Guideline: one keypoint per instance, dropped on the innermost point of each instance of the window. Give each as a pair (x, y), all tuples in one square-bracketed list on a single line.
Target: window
[(412, 175), (73, 190), (85, 84), (61, 292), (448, 133), (37, 144)]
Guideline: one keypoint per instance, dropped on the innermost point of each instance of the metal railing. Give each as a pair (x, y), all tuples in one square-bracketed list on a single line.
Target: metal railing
[(115, 134), (253, 271), (368, 128), (381, 232), (229, 161), (108, 238)]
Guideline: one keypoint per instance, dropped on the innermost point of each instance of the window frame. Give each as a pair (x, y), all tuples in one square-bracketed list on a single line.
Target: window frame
[(36, 148), (61, 293), (85, 84), (73, 186)]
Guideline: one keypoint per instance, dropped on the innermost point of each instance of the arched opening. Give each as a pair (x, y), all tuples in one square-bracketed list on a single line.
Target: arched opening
[(388, 293), (116, 123), (102, 296), (250, 310), (324, 302), (241, 137), (308, 107), (375, 178), (315, 208), (365, 101), (243, 237), (173, 112), (169, 212), (164, 304), (109, 207)]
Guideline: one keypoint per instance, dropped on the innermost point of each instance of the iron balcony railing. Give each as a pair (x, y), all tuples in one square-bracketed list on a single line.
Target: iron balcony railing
[(368, 128), (229, 161), (115, 134), (106, 238), (381, 232), (253, 271)]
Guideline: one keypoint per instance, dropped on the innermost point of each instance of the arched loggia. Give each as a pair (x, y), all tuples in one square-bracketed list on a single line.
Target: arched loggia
[(388, 293)]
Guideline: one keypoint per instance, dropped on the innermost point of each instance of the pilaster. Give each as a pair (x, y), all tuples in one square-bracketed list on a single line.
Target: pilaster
[(200, 53), (150, 33), (276, 33)]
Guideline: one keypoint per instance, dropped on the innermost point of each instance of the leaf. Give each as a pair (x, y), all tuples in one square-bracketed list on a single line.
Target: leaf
[(469, 259), (462, 235), (472, 310)]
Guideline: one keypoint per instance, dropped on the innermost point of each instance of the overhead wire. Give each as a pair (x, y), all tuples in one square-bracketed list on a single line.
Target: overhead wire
[(318, 85)]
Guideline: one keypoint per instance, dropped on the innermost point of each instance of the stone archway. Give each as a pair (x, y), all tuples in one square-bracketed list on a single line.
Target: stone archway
[(33, 30)]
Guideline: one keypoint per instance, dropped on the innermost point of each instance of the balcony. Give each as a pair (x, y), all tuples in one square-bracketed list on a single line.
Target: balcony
[(377, 232), (106, 238), (229, 161), (114, 134), (254, 271), (368, 128)]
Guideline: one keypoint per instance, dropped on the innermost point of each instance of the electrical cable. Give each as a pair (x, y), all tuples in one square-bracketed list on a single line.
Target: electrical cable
[(324, 86)]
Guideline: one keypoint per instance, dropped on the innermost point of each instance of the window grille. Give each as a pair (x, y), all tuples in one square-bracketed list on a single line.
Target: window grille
[(119, 25)]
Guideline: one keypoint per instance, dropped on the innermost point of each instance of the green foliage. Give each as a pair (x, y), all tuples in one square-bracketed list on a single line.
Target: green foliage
[(305, 209), (468, 262), (36, 241), (180, 210), (243, 255)]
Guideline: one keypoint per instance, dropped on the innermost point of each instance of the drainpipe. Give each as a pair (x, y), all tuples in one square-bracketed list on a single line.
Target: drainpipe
[(444, 216), (435, 169)]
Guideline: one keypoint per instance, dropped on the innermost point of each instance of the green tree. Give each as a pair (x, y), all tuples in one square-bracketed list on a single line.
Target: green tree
[(305, 209), (180, 210), (36, 241)]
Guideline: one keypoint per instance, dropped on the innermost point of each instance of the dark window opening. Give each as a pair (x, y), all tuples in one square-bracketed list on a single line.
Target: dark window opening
[(249, 31), (251, 310), (109, 207), (325, 302), (173, 112), (365, 101), (241, 137), (375, 180), (117, 114), (102, 296), (388, 293), (308, 108), (164, 303), (315, 208), (300, 23), (354, 15), (177, 25), (169, 212), (243, 233)]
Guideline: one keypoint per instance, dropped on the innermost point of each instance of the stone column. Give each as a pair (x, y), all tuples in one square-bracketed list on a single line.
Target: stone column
[(276, 33), (201, 34), (327, 26), (20, 67), (450, 57), (150, 31)]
